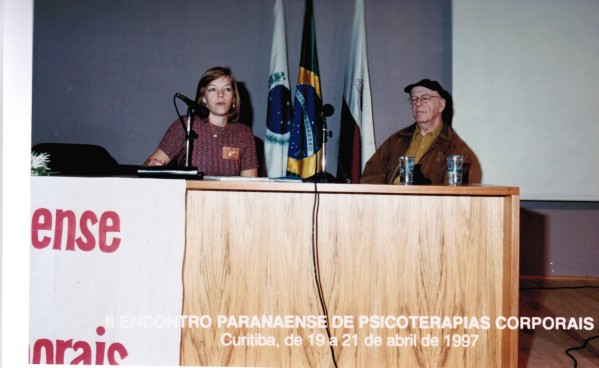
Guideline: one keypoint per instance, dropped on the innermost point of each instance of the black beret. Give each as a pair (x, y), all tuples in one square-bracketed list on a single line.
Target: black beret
[(427, 83)]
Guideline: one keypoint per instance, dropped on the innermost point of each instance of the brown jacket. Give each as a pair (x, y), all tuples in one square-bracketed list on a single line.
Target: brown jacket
[(382, 167)]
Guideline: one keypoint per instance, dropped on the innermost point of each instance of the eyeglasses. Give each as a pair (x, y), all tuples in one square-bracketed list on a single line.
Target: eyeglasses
[(425, 99)]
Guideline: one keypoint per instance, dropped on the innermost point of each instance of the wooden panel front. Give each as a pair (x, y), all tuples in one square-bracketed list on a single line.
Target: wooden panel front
[(414, 256), (250, 253)]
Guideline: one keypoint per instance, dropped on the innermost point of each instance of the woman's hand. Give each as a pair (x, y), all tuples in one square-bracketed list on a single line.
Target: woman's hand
[(158, 158), (154, 162)]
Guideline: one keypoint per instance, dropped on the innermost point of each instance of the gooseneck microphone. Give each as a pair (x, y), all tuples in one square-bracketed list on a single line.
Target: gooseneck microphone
[(201, 110)]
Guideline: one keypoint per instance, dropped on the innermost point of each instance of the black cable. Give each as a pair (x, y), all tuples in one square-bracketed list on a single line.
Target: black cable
[(179, 115), (586, 341), (316, 264), (584, 345)]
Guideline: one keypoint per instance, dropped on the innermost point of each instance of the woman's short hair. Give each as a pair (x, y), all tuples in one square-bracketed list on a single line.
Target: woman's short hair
[(213, 74)]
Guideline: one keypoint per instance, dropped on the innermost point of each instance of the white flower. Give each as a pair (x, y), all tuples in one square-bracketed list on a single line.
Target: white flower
[(39, 164)]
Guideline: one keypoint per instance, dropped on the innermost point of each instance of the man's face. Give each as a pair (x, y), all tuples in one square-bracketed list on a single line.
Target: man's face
[(426, 112)]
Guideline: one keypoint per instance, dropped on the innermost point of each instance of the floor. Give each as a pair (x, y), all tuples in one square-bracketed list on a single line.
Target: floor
[(565, 297)]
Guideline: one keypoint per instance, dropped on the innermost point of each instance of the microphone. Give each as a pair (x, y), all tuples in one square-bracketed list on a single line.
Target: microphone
[(202, 111), (326, 111)]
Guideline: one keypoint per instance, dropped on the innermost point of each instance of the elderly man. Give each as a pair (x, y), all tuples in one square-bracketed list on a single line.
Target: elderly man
[(429, 140)]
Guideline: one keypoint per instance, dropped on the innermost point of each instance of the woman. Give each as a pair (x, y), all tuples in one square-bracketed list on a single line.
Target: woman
[(223, 146)]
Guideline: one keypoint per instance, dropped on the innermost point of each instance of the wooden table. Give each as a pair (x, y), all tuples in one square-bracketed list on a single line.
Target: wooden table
[(412, 255)]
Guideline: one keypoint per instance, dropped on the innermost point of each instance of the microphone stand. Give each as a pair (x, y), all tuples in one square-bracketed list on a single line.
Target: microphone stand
[(323, 176), (188, 136), (192, 107), (177, 172)]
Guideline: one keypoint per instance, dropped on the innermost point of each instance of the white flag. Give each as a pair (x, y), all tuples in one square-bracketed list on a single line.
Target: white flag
[(356, 142), (278, 123)]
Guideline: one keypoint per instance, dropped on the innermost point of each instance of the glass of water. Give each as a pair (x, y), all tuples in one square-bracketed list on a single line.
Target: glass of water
[(455, 165)]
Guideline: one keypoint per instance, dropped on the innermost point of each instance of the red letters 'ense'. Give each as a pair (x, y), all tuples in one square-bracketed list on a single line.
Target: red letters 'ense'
[(47, 229)]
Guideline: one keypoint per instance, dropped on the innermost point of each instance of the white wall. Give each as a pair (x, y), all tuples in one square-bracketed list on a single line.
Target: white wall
[(16, 24), (525, 80)]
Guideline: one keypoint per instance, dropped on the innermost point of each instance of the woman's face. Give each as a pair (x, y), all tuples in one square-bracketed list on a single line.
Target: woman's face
[(219, 95)]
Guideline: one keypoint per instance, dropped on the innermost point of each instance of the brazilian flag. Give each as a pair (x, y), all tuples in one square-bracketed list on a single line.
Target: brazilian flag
[(305, 143)]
